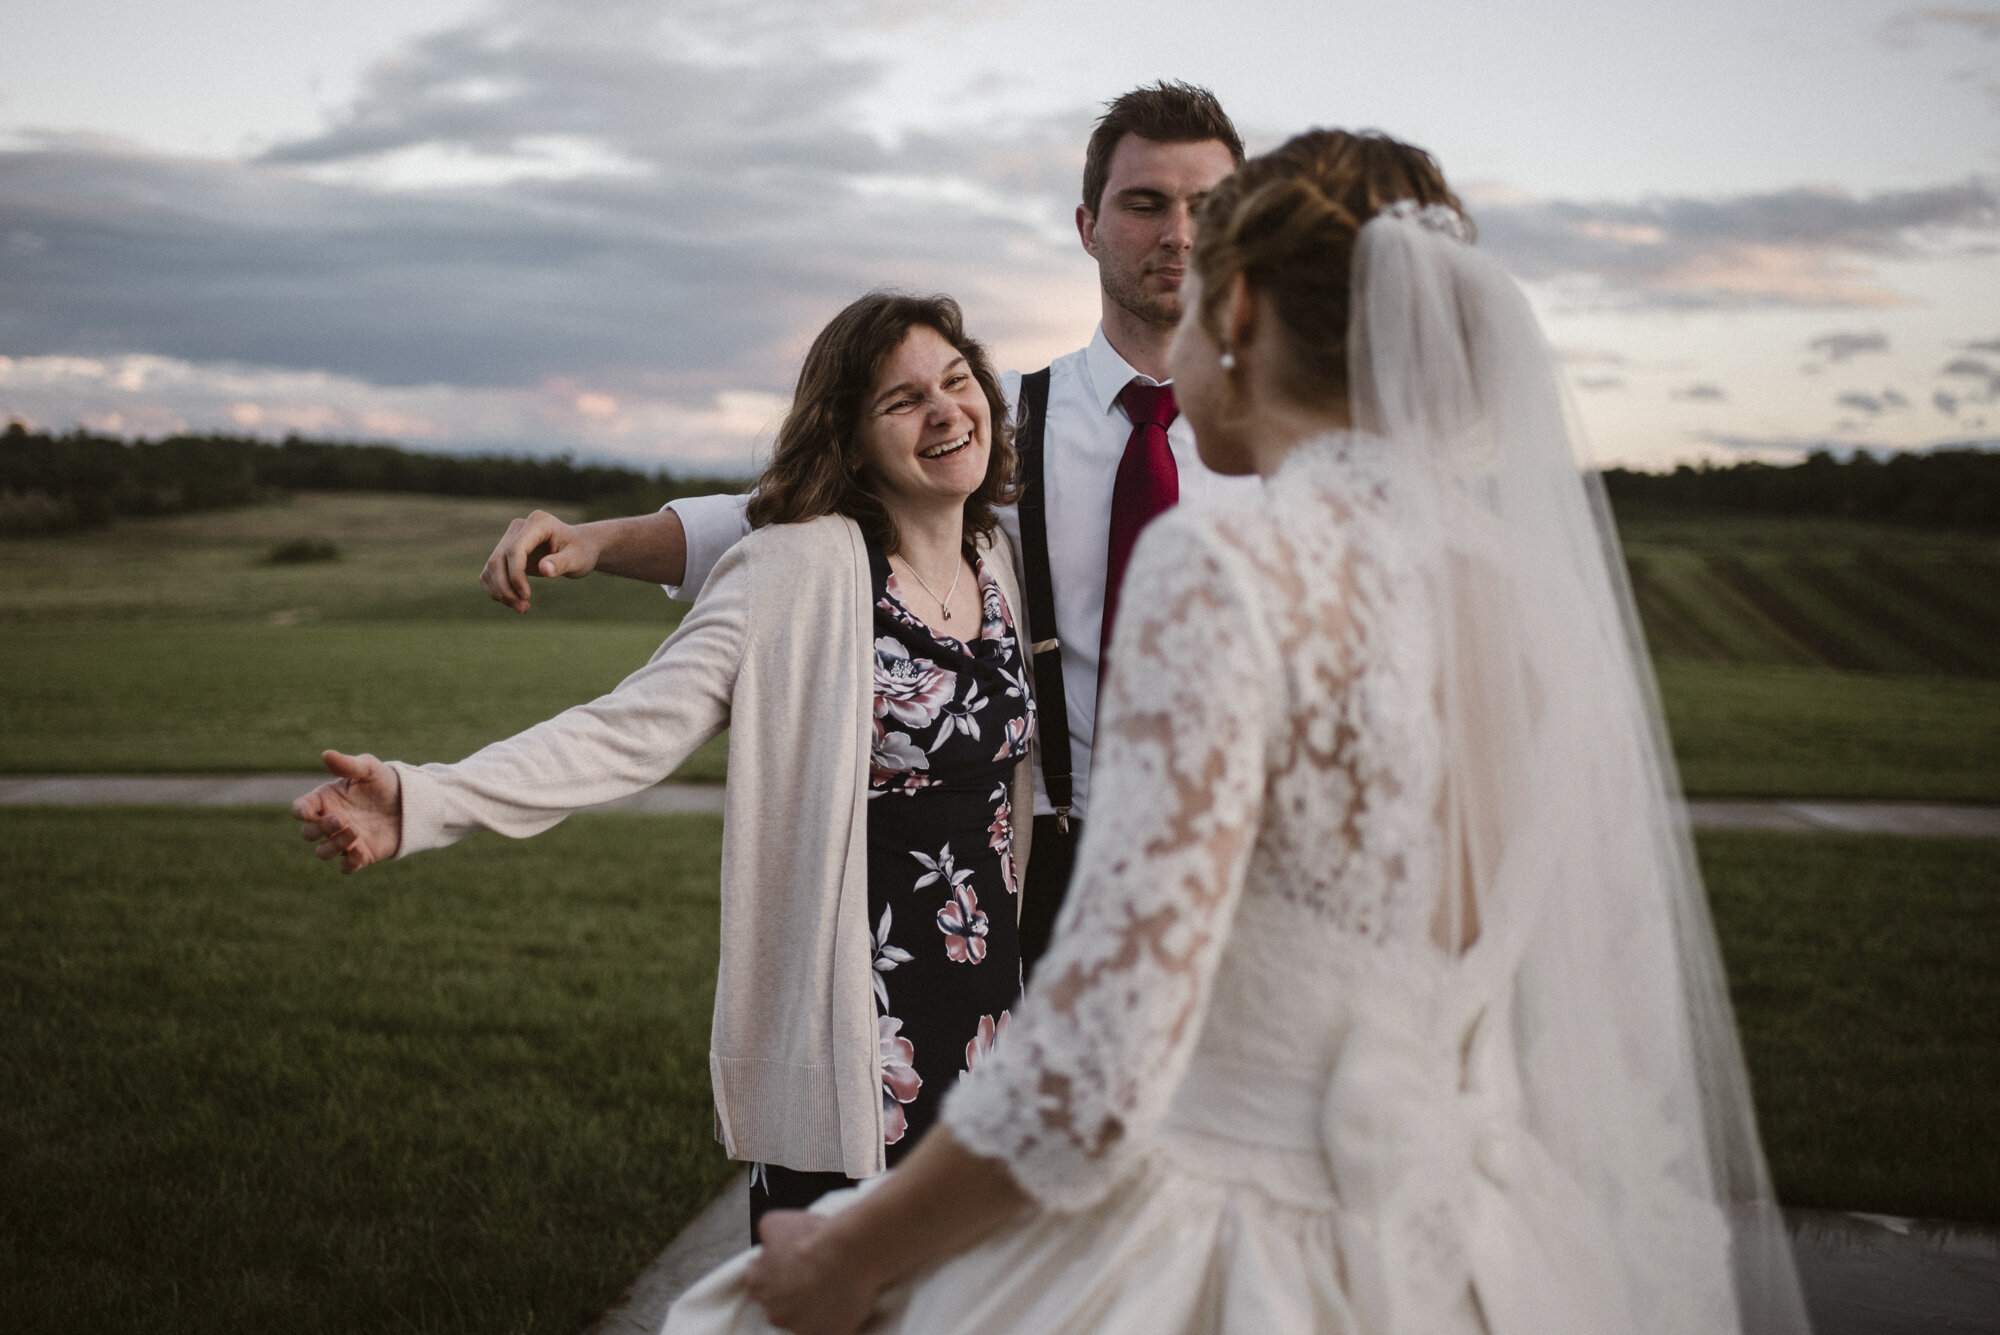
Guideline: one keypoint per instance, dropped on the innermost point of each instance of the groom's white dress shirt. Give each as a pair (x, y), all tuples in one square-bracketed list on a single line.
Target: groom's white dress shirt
[(1082, 444)]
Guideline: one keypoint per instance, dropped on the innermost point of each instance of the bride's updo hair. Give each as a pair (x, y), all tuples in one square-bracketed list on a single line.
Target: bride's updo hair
[(1287, 221)]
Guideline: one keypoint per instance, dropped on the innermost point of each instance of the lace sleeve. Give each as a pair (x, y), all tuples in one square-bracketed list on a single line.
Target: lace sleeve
[(1088, 1066)]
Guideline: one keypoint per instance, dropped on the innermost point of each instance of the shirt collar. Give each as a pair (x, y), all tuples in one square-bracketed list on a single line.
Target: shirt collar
[(1109, 373)]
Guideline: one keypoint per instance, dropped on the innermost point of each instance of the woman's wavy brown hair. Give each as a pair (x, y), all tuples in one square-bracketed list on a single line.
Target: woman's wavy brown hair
[(815, 467), (1288, 220)]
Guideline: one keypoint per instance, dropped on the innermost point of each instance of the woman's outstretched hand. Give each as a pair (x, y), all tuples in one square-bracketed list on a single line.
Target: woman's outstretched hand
[(357, 818), (802, 1282)]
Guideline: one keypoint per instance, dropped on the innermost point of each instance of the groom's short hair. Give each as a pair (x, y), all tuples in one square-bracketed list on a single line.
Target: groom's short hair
[(1167, 112)]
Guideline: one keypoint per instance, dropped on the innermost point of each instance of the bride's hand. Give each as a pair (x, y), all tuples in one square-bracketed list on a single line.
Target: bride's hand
[(802, 1281), (357, 818)]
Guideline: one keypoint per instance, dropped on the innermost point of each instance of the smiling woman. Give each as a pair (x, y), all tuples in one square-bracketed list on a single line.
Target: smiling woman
[(889, 377), (869, 944)]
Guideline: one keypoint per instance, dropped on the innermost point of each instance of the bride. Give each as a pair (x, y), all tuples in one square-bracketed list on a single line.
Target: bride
[(1385, 1000)]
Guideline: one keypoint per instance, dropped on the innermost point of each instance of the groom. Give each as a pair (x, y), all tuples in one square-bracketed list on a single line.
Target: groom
[(1103, 451)]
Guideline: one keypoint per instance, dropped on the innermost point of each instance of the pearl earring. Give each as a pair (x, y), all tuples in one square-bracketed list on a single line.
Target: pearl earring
[(1228, 360)]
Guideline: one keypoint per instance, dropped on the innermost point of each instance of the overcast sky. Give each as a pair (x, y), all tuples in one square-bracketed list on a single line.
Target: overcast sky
[(610, 226)]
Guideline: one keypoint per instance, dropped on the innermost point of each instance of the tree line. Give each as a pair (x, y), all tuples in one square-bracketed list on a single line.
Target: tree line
[(56, 483), (1945, 488)]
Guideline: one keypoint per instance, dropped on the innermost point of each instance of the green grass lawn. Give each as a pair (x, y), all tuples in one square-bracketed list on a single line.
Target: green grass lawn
[(222, 696), (1772, 591), (176, 645), (192, 697), (1824, 657), (1814, 732), (239, 1092), (401, 558), (1866, 975), (469, 1092)]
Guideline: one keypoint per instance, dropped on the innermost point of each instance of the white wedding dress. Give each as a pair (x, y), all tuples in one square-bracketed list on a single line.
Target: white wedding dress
[(1310, 1052)]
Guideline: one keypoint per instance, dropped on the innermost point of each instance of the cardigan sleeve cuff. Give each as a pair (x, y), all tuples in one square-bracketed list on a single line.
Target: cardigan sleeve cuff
[(423, 811)]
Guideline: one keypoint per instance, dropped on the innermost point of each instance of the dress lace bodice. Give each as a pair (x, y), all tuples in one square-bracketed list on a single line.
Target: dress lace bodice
[(1264, 826)]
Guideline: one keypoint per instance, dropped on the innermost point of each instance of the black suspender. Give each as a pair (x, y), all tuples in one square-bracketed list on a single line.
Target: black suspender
[(1052, 713)]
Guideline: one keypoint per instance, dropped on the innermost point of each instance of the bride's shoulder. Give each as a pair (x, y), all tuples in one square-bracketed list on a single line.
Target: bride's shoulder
[(1329, 492), (1206, 535), (1336, 497), (1346, 469)]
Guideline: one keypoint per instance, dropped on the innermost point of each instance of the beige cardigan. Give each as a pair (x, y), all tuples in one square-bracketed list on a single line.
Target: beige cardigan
[(778, 649)]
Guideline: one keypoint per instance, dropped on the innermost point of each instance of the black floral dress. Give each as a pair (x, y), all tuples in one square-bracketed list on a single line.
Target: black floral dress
[(952, 720)]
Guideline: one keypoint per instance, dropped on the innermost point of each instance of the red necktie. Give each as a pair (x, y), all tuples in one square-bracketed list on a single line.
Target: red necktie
[(1148, 482)]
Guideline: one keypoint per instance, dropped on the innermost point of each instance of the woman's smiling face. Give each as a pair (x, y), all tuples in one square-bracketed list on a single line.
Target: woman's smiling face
[(925, 431)]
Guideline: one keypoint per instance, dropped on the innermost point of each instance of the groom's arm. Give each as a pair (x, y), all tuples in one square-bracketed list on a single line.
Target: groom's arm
[(675, 547)]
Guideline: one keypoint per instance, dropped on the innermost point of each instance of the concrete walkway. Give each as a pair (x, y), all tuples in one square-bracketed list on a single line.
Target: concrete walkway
[(1871, 1274), (271, 790), (1801, 816), (720, 1231), (1796, 815)]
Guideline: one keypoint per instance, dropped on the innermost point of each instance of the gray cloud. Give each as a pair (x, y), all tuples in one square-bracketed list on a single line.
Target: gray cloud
[(1886, 401), (1909, 27), (1797, 447), (657, 204), (1913, 26), (1945, 402), (222, 262), (1838, 347), (662, 208), (1972, 368), (485, 86), (1701, 393), (1590, 357), (1783, 248), (1985, 345)]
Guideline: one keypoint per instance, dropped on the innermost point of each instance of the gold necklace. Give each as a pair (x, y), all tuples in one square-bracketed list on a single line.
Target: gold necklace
[(944, 603)]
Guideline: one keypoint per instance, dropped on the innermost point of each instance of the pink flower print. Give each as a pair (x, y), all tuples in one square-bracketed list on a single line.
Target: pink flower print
[(990, 1029), (909, 690), (964, 927), (900, 1081), (1014, 743), (1000, 835), (896, 605), (902, 785), (893, 754), (993, 620)]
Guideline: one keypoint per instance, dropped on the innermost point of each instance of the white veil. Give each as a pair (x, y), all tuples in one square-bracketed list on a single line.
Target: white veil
[(1575, 876)]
